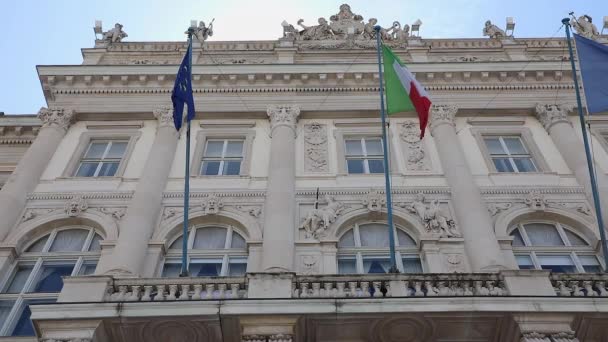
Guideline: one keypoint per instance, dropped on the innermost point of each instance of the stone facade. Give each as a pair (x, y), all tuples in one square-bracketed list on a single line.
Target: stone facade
[(299, 252)]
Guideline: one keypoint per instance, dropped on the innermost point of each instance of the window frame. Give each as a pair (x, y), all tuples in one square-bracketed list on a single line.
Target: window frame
[(527, 139), (349, 129), (567, 249), (38, 260), (224, 130), (173, 256), (86, 138), (358, 250), (222, 158)]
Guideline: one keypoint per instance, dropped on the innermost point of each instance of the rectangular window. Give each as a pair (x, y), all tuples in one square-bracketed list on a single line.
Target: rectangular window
[(222, 158), (101, 158), (364, 155), (376, 264), (347, 265), (411, 264), (19, 278), (557, 263), (49, 279), (237, 267), (509, 154), (590, 263), (524, 262)]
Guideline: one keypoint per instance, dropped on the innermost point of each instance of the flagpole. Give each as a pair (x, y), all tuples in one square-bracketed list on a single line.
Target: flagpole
[(184, 271), (389, 201), (596, 197)]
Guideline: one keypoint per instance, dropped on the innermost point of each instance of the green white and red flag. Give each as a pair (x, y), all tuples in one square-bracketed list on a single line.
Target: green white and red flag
[(403, 92)]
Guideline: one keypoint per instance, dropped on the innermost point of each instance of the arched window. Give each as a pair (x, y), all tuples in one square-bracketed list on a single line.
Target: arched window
[(552, 246), (212, 251), (36, 276), (365, 249)]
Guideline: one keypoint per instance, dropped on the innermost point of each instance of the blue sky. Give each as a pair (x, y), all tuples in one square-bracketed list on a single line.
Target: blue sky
[(43, 32)]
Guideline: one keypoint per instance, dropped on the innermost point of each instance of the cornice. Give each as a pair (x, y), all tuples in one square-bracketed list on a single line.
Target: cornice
[(526, 190), (218, 193), (365, 191), (85, 195)]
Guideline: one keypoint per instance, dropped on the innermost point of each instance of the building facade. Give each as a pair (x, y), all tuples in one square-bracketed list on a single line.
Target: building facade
[(496, 237)]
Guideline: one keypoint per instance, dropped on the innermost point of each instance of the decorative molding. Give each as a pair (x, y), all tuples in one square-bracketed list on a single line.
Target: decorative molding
[(318, 220), (374, 201), (164, 115), (309, 264), (416, 158), (536, 200), (442, 114), (45, 196), (75, 206), (526, 190), (454, 263), (550, 114), (179, 195), (495, 208), (394, 190), (283, 115), (212, 204), (435, 220), (56, 117), (316, 156)]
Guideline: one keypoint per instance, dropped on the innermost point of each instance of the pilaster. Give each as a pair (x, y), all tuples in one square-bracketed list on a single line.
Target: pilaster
[(545, 327)]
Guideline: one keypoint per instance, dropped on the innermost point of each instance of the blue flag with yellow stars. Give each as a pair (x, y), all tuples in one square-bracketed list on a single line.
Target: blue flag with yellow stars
[(182, 92)]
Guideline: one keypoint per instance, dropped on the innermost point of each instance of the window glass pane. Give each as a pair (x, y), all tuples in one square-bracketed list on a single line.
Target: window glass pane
[(355, 166), (557, 263), (524, 262), (412, 264), (237, 267), (88, 268), (5, 309), (210, 168), (19, 279), (347, 240), (238, 241), (108, 169), (574, 239), (590, 263), (177, 244), (206, 267), (376, 264), (376, 165), (234, 149), (172, 270), (347, 265), (95, 243), (86, 169), (494, 146), (24, 325), (210, 238), (517, 239), (503, 165), (353, 148), (38, 245), (404, 239), (96, 150), (117, 150), (542, 234), (373, 147), (214, 148), (524, 164), (50, 280), (70, 240), (514, 145), (232, 168), (374, 235)]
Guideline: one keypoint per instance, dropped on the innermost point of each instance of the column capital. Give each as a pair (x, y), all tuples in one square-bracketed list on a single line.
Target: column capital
[(442, 114), (164, 115), (56, 116), (550, 114), (283, 115)]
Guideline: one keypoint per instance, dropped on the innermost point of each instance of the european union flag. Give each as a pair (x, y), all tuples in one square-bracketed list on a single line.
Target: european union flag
[(593, 59), (182, 92)]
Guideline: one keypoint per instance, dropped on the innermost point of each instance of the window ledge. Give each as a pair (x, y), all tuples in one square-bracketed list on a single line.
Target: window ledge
[(90, 178), (495, 173), (220, 177)]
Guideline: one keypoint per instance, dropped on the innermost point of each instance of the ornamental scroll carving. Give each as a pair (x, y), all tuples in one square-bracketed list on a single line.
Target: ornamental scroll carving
[(283, 115), (550, 114), (416, 158), (56, 117), (442, 114), (315, 148), (164, 115)]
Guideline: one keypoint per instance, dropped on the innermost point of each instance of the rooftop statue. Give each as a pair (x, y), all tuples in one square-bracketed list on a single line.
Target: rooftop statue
[(202, 32), (493, 31), (114, 35), (584, 26), (317, 32), (346, 23)]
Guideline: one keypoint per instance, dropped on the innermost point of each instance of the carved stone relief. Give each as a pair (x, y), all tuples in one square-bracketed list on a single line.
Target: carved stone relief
[(374, 201), (255, 211), (164, 115), (315, 148), (442, 114), (55, 116), (454, 263), (435, 220), (550, 114), (493, 31), (318, 220), (283, 115), (75, 206), (495, 208), (416, 158), (536, 200), (212, 205), (310, 264)]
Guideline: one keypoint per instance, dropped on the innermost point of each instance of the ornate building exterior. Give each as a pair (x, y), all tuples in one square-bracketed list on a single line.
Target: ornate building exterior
[(496, 239)]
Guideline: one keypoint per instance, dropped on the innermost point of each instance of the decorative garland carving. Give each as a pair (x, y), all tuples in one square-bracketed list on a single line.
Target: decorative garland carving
[(416, 156), (315, 148)]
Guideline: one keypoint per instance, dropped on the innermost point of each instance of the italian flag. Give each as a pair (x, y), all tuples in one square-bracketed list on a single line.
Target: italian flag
[(403, 92)]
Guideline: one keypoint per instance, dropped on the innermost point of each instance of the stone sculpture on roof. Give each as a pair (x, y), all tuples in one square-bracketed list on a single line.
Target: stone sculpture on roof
[(584, 26), (203, 32), (115, 35), (493, 31)]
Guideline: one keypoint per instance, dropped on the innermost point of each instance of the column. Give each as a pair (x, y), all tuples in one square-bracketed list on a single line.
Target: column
[(566, 138), (25, 178), (279, 222), (475, 223), (141, 217)]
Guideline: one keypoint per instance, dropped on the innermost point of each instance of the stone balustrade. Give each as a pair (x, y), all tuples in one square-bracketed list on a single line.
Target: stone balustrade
[(168, 289), (402, 285), (580, 285)]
